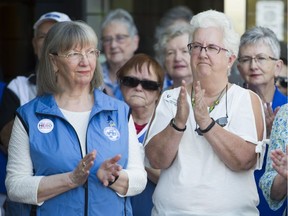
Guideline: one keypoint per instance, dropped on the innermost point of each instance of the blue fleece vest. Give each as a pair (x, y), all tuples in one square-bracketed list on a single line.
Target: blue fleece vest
[(55, 148)]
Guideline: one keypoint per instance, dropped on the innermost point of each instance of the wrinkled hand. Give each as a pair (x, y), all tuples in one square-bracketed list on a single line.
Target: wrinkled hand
[(81, 172), (109, 170), (279, 159), (200, 108), (269, 117), (182, 107)]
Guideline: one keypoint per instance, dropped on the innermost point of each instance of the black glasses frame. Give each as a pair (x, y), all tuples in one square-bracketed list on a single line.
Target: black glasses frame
[(190, 47), (132, 82)]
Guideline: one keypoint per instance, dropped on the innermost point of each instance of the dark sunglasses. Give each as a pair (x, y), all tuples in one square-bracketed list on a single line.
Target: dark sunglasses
[(146, 84)]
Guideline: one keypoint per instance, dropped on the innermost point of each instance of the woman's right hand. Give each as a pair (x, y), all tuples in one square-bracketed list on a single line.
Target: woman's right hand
[(182, 107), (81, 172)]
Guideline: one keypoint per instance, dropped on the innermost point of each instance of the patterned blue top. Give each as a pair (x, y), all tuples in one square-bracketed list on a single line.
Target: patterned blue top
[(278, 140)]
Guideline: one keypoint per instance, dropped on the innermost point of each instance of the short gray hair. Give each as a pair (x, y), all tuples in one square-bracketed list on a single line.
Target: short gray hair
[(261, 34), (177, 13), (61, 38), (122, 16), (212, 18), (167, 35)]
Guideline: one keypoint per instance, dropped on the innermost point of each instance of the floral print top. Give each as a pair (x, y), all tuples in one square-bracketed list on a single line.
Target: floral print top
[(278, 140)]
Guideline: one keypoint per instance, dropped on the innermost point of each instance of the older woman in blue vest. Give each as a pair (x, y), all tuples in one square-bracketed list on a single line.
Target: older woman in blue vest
[(73, 149)]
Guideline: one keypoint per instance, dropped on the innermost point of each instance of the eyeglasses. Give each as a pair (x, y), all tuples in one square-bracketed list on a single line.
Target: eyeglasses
[(260, 59), (221, 121), (211, 49), (146, 84), (119, 38), (78, 56)]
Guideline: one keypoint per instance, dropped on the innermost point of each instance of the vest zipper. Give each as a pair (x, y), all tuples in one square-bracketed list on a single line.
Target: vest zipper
[(86, 198)]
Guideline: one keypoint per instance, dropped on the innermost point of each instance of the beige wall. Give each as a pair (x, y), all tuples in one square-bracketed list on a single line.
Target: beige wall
[(236, 11)]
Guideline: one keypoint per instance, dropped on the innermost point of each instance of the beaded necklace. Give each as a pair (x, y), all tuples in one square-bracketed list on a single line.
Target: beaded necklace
[(215, 103)]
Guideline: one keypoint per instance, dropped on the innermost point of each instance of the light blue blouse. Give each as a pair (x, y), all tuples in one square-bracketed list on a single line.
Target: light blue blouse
[(278, 140)]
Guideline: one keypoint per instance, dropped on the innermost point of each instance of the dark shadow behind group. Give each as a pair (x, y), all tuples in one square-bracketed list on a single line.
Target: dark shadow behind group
[(122, 136)]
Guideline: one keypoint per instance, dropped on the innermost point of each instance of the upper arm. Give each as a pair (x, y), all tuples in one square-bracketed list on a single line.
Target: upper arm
[(258, 115), (19, 167), (135, 168), (19, 149)]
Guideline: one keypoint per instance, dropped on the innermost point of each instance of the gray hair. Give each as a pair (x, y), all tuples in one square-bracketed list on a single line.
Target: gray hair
[(122, 16), (212, 18), (261, 34), (61, 38), (167, 35), (170, 17)]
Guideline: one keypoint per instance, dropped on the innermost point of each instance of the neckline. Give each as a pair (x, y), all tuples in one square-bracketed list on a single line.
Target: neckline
[(75, 112), (139, 128), (215, 103)]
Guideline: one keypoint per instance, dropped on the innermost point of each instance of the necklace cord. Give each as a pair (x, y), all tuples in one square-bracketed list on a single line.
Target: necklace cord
[(226, 100), (215, 103)]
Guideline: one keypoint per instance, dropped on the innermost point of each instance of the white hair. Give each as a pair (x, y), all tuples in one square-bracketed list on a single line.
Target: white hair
[(212, 18)]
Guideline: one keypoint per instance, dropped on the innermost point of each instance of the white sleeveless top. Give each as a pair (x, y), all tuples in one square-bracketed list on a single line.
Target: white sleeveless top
[(198, 183)]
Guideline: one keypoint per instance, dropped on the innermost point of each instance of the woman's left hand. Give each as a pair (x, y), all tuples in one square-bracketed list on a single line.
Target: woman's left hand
[(109, 170), (200, 108)]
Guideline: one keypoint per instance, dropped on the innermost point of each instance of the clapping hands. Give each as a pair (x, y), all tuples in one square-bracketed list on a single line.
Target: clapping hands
[(106, 173)]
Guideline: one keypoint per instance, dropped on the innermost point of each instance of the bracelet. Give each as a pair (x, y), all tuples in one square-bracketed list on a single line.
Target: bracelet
[(172, 124), (112, 182), (210, 126)]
